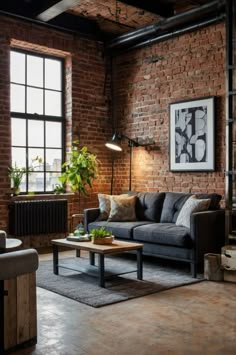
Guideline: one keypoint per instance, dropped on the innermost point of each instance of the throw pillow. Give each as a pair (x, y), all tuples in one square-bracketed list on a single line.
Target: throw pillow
[(191, 205), (122, 208), (104, 206)]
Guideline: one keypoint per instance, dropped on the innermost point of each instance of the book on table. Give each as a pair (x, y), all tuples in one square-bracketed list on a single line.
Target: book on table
[(78, 238)]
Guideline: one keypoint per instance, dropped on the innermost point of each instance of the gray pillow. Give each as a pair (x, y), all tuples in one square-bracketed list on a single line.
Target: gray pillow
[(104, 206), (191, 205)]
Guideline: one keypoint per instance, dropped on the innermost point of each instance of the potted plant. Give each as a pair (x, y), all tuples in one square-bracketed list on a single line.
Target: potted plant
[(16, 175), (101, 236), (80, 170)]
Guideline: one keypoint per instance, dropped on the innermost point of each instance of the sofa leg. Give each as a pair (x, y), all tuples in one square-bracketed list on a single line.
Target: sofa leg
[(194, 270)]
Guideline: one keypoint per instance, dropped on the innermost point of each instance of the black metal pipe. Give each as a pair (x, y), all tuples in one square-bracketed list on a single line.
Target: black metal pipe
[(130, 164), (169, 35), (166, 25)]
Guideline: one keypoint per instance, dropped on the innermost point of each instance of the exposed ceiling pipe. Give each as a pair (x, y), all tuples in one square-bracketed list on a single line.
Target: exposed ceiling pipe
[(163, 26), (179, 32)]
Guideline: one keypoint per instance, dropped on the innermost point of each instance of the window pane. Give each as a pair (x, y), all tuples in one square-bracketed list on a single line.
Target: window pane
[(17, 67), (35, 101), (18, 131), (18, 157), (52, 181), (53, 159), (53, 74), (23, 184), (52, 103), (17, 98), (34, 71), (33, 154), (36, 182), (53, 135), (36, 133)]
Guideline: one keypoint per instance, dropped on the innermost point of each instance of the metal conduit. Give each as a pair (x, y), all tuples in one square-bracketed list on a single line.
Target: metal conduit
[(147, 32), (175, 33)]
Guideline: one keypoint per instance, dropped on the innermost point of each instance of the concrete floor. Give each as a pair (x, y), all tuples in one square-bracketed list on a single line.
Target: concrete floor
[(196, 319)]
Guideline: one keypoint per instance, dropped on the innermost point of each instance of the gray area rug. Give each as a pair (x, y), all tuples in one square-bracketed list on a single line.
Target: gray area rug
[(157, 276)]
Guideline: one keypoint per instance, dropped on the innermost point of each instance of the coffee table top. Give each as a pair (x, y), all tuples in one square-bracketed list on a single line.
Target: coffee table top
[(116, 247)]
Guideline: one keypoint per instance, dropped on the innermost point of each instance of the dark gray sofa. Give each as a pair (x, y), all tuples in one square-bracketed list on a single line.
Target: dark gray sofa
[(155, 227)]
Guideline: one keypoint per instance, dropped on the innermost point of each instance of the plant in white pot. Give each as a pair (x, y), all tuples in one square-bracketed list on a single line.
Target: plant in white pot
[(16, 174), (80, 170)]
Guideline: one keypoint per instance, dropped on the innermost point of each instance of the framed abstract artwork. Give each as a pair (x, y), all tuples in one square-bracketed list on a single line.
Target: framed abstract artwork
[(192, 135)]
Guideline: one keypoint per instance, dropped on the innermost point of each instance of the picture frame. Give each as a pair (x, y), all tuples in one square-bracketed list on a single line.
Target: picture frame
[(192, 135)]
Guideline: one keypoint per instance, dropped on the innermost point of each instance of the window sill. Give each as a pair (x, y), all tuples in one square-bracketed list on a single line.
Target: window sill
[(42, 196)]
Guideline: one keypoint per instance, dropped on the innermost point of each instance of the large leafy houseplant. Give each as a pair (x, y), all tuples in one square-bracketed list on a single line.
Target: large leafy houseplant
[(80, 170)]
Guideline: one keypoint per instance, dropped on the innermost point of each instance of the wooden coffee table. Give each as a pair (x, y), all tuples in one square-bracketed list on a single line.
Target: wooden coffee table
[(102, 250)]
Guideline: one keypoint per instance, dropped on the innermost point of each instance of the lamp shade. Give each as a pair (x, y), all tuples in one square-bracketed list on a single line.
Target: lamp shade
[(114, 143)]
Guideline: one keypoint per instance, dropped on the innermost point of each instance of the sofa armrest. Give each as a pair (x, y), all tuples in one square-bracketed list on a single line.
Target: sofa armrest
[(207, 231), (90, 215), (17, 263)]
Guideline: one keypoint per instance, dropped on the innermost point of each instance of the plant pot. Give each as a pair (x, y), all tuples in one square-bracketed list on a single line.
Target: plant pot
[(105, 240), (15, 191)]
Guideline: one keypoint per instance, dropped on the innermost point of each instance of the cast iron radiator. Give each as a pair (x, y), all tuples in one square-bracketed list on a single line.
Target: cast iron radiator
[(37, 217)]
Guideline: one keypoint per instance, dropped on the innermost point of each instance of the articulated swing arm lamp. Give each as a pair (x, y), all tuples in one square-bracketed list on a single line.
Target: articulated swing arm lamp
[(114, 143)]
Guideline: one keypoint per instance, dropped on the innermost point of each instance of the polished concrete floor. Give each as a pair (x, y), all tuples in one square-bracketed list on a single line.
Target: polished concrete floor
[(196, 319)]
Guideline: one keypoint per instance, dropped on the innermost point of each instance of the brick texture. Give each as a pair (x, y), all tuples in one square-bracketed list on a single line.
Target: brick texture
[(146, 82), (86, 99)]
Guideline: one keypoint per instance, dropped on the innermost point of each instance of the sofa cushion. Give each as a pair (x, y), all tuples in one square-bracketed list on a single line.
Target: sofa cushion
[(172, 205), (122, 208), (121, 230), (148, 205), (191, 205), (163, 233)]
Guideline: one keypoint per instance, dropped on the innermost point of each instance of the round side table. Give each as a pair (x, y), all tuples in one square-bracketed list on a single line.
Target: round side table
[(11, 243)]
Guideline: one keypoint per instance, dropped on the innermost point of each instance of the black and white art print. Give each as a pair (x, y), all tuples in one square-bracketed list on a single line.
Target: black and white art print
[(192, 135)]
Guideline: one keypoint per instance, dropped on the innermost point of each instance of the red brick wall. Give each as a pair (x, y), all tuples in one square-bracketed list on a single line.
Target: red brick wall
[(86, 99), (146, 82)]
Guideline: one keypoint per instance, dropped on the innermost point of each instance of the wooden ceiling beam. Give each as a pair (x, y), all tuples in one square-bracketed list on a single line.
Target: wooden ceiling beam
[(56, 9)]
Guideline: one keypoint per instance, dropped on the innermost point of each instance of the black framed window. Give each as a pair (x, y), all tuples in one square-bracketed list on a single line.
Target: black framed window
[(37, 118)]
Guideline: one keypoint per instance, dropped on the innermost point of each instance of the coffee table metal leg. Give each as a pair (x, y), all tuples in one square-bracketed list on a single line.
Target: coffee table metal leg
[(55, 259), (91, 258), (77, 253), (101, 270), (139, 264)]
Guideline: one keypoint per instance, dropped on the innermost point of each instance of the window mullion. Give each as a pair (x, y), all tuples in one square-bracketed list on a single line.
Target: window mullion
[(41, 146)]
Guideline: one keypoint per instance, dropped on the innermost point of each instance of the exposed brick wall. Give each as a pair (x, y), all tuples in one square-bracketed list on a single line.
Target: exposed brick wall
[(146, 82), (86, 99)]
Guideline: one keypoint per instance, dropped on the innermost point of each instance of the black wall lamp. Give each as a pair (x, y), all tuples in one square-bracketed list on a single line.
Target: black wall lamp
[(115, 145)]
